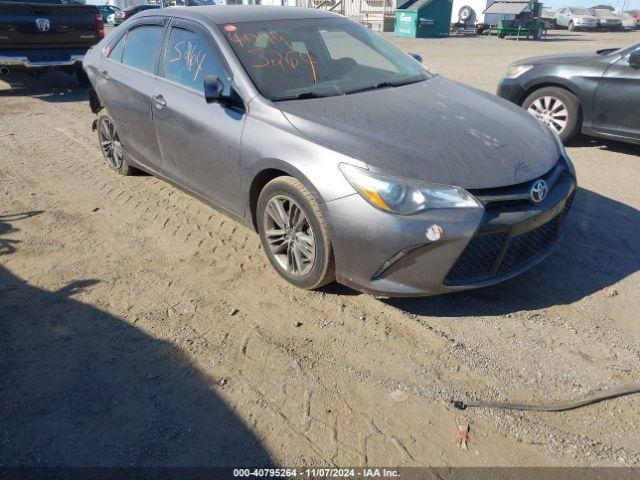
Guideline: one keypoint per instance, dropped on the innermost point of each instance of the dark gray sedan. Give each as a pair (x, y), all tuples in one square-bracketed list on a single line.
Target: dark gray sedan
[(596, 93), (351, 160)]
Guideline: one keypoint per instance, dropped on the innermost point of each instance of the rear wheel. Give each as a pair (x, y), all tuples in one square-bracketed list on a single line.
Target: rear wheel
[(558, 108), (110, 145), (294, 234), (539, 33)]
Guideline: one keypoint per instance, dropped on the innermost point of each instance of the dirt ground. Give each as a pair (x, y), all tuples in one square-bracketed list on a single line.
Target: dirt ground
[(139, 326)]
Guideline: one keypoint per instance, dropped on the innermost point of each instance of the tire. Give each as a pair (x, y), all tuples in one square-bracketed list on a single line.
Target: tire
[(539, 33), (571, 27), (115, 156), (465, 13), (544, 104), (290, 195)]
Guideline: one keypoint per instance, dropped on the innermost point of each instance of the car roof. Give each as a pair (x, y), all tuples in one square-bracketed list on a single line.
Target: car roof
[(221, 14), (148, 5)]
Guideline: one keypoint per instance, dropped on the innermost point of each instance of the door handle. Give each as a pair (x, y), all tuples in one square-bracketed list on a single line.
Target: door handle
[(159, 102), (104, 74)]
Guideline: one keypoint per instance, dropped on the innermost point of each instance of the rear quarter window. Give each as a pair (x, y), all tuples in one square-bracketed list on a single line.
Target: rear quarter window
[(115, 53), (142, 46)]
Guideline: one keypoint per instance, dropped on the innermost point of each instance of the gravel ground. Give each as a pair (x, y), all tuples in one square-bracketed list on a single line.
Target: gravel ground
[(140, 327)]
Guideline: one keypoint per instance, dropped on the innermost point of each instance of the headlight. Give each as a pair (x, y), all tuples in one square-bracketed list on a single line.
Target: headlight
[(514, 71), (405, 197)]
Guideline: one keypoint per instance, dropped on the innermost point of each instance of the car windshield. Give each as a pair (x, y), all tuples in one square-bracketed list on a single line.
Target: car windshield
[(582, 11), (626, 51), (51, 2), (307, 58)]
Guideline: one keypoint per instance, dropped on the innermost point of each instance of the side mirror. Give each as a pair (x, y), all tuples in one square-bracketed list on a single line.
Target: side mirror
[(213, 88), (417, 57), (634, 59)]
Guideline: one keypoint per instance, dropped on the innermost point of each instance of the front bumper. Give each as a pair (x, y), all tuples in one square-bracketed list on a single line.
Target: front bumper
[(511, 89), (390, 255), (41, 59), (610, 25), (585, 25)]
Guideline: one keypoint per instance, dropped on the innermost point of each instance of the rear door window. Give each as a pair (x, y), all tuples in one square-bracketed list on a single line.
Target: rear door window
[(141, 49), (189, 57)]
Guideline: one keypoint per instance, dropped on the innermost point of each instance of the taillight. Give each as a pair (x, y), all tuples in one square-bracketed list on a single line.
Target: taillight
[(99, 26)]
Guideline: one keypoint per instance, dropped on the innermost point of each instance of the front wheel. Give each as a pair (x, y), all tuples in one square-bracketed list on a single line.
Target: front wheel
[(294, 234), (558, 108)]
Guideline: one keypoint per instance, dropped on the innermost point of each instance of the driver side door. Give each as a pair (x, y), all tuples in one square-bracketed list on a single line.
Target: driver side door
[(199, 141), (617, 100), (562, 17)]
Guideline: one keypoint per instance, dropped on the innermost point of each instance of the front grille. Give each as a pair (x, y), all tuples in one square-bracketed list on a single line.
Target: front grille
[(496, 254), (530, 245), (478, 260), (520, 193)]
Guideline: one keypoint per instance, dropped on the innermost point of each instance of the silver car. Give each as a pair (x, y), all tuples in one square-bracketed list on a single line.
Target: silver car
[(352, 161), (607, 19), (576, 18)]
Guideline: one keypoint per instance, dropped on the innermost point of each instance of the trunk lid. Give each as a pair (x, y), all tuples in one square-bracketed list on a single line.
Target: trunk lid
[(25, 25)]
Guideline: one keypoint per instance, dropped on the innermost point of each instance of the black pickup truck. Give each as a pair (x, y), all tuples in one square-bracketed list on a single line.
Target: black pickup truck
[(40, 35)]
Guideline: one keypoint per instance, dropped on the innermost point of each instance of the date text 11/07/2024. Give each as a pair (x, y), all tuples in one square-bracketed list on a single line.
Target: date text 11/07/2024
[(316, 472)]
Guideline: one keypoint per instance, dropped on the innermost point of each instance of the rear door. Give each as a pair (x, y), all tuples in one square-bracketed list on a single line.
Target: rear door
[(617, 100), (200, 142), (125, 85)]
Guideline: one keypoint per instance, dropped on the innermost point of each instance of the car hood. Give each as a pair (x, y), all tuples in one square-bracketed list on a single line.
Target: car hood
[(561, 59), (608, 16), (584, 17), (437, 131)]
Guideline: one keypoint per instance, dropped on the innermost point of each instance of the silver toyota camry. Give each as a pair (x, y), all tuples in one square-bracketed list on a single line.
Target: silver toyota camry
[(352, 160)]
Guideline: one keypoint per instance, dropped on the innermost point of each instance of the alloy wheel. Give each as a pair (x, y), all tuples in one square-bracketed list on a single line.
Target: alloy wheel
[(110, 144), (551, 111), (289, 235)]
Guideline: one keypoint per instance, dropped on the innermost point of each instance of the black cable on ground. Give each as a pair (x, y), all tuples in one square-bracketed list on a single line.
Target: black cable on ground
[(559, 407)]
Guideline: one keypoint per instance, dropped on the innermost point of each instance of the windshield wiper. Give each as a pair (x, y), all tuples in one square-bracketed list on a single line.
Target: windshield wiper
[(303, 95), (386, 84)]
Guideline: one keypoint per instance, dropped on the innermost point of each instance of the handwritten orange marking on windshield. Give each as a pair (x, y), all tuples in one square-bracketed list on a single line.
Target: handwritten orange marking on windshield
[(260, 52), (235, 38), (313, 68), (291, 60), (276, 61), (272, 57)]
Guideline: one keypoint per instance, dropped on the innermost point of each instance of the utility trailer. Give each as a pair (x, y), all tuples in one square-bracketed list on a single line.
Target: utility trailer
[(518, 18)]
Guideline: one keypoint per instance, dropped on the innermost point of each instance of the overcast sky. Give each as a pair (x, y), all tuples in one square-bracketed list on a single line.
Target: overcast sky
[(628, 4)]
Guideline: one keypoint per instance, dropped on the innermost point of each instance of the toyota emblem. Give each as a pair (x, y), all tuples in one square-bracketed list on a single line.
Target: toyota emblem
[(539, 191), (43, 24)]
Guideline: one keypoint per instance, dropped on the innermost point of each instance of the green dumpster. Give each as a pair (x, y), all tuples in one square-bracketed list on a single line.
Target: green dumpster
[(423, 18)]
